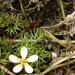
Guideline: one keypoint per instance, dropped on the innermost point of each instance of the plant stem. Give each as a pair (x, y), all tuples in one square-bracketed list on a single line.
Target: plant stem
[(22, 7), (6, 70), (57, 66), (62, 8), (54, 38)]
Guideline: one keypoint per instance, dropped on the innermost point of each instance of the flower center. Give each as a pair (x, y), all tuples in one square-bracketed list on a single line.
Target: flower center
[(22, 61)]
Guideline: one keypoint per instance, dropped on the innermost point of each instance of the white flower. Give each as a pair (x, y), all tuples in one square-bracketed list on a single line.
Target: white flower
[(23, 62)]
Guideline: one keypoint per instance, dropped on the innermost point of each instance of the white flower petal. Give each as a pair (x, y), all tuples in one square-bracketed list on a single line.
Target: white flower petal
[(32, 58), (23, 52), (17, 68), (13, 58), (28, 68)]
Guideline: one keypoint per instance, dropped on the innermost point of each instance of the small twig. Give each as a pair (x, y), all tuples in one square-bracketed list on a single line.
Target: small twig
[(54, 38), (6, 70), (22, 7), (16, 40), (64, 41), (55, 26), (62, 8), (67, 20), (57, 66)]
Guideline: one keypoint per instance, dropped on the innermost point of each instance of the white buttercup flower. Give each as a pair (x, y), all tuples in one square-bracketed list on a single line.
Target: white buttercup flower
[(23, 62)]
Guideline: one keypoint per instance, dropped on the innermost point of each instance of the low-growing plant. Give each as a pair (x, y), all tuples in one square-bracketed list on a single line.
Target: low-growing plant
[(36, 43), (12, 24)]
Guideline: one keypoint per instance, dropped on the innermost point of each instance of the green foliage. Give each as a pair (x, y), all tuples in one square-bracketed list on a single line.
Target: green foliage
[(5, 49), (2, 72), (12, 24), (36, 43)]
